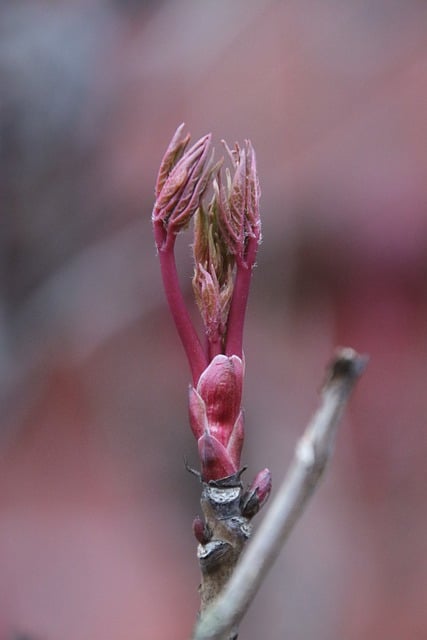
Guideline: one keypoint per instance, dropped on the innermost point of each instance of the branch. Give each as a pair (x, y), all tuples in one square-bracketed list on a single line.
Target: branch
[(311, 456)]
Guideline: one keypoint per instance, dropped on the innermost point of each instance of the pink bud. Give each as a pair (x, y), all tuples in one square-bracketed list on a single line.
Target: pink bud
[(262, 486), (257, 494), (181, 186), (173, 153), (238, 203), (220, 387), (215, 460), (200, 530), (207, 292)]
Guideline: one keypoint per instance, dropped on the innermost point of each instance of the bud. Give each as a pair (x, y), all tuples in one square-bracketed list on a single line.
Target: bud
[(182, 180), (220, 387), (239, 219), (238, 203), (207, 294), (226, 236), (174, 152), (257, 494), (213, 273), (262, 486), (201, 531), (216, 418), (181, 184)]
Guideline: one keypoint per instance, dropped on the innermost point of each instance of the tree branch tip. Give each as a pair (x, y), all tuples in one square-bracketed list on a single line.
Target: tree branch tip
[(346, 365)]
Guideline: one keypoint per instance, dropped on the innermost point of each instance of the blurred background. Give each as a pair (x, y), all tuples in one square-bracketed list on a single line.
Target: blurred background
[(95, 504)]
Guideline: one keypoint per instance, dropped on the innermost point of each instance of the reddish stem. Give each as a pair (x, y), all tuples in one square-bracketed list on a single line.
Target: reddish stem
[(196, 356), (236, 315)]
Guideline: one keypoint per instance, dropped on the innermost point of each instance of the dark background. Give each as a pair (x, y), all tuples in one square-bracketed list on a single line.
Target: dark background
[(95, 504)]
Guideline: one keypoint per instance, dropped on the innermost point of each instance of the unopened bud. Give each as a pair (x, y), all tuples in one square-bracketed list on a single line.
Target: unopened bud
[(173, 153), (206, 290), (213, 273), (181, 186), (257, 494), (220, 387), (201, 531), (238, 202)]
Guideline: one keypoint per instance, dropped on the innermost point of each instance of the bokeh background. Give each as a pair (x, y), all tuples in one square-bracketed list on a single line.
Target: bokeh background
[(95, 504)]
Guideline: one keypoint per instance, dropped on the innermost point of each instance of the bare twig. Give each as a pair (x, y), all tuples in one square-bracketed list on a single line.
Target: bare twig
[(311, 457)]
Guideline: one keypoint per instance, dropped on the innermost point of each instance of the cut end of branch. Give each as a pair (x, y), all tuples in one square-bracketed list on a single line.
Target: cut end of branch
[(346, 365)]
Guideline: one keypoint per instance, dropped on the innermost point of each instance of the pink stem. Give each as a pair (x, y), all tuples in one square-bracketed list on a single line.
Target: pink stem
[(236, 316), (195, 354)]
